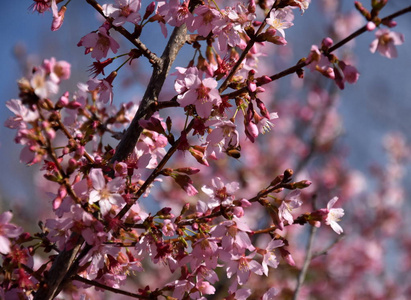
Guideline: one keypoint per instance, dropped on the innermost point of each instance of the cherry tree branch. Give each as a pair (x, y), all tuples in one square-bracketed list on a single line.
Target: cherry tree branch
[(364, 29), (154, 174), (152, 57), (160, 71), (302, 64), (250, 44)]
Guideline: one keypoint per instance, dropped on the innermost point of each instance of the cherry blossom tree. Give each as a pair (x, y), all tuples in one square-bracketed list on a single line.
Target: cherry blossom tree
[(225, 167)]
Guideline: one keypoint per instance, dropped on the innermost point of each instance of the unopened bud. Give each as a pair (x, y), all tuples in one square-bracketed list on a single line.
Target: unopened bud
[(370, 26), (287, 175), (302, 184), (327, 43), (185, 208), (188, 170), (149, 10)]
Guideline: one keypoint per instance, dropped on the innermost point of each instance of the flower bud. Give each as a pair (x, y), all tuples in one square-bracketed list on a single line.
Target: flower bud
[(370, 26)]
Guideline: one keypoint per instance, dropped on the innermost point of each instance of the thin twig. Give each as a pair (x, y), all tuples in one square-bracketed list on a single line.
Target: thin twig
[(250, 44), (109, 288), (302, 64), (308, 257), (325, 251)]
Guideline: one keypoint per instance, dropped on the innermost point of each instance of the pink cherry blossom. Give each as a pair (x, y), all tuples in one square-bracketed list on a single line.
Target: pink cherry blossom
[(98, 43), (123, 11), (175, 14), (57, 70), (243, 266), (23, 115), (316, 61), (103, 87), (281, 19), (222, 137), (386, 41), (269, 257), (289, 203), (7, 231), (169, 228), (202, 93), (58, 16), (202, 21), (264, 124), (106, 194), (43, 85), (270, 294), (334, 215), (220, 193)]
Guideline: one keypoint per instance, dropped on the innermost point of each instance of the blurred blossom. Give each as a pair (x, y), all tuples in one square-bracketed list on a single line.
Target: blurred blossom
[(386, 41)]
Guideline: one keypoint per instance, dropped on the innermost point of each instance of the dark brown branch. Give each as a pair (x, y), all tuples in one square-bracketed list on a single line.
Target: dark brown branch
[(160, 71), (250, 44), (154, 174), (61, 266)]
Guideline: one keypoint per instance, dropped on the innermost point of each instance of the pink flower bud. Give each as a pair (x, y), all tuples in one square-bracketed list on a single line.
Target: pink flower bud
[(149, 10), (252, 86), (188, 170), (238, 211), (98, 159), (58, 18), (120, 169), (287, 256), (63, 101), (370, 26), (245, 203), (327, 42)]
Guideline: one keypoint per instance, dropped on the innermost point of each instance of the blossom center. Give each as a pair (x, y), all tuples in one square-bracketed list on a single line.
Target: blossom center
[(202, 92)]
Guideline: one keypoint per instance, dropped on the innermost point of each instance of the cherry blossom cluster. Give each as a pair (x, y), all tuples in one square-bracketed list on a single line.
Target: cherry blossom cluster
[(201, 237)]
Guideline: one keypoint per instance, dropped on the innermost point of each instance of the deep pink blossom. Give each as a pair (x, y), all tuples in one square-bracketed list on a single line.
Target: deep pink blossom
[(175, 13), (41, 6)]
